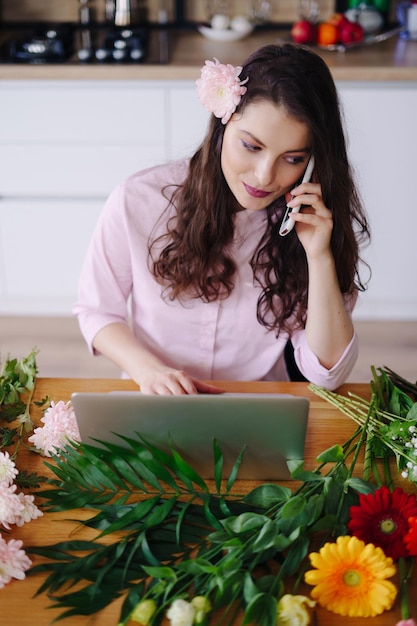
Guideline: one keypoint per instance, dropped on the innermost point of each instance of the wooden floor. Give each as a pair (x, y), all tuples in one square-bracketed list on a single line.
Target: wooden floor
[(63, 353)]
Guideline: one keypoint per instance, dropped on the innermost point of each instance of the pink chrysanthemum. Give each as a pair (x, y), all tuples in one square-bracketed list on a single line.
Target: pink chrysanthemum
[(13, 561), (220, 89), (8, 470), (60, 426), (29, 511), (11, 506)]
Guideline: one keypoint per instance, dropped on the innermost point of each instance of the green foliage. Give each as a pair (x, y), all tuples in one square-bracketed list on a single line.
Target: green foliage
[(173, 535), (17, 383), (17, 379), (29, 480)]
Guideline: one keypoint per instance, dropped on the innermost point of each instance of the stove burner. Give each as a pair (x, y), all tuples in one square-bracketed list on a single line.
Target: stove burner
[(123, 45), (44, 45)]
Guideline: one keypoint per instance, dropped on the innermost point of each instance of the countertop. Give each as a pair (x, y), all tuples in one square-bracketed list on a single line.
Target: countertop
[(393, 60)]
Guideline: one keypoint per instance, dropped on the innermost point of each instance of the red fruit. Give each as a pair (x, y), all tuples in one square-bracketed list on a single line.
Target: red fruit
[(337, 19), (304, 32), (350, 32)]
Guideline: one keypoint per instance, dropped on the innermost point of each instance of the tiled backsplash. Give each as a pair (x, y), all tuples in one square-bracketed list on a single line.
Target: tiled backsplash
[(282, 11)]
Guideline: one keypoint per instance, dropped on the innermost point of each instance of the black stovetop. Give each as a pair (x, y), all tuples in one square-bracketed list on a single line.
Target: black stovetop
[(71, 43)]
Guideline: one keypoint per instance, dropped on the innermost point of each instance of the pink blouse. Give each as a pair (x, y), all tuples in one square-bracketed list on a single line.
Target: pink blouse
[(219, 340)]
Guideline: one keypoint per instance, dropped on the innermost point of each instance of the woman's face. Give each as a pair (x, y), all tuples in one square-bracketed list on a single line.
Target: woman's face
[(264, 153)]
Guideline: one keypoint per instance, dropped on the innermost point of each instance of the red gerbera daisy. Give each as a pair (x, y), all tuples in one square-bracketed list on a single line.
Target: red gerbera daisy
[(382, 517), (410, 538)]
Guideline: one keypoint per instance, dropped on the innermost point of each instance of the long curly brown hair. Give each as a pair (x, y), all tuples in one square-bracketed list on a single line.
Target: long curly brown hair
[(195, 260)]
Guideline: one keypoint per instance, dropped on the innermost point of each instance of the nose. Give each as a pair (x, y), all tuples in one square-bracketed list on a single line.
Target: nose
[(265, 172)]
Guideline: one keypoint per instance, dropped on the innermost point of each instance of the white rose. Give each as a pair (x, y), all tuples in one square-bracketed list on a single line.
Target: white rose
[(292, 610), (181, 613)]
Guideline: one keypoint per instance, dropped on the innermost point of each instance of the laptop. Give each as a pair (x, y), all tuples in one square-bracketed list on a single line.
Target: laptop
[(272, 426)]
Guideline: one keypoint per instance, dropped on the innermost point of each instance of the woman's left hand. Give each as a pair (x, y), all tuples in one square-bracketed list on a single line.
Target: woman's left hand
[(314, 222)]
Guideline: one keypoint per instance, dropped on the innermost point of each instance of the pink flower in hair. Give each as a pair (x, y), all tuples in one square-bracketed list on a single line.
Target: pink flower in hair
[(220, 89)]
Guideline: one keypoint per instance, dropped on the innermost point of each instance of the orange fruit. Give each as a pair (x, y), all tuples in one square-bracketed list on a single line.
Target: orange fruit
[(327, 33), (336, 19)]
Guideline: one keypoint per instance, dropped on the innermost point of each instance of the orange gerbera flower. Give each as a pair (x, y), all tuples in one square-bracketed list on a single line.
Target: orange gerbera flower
[(350, 578)]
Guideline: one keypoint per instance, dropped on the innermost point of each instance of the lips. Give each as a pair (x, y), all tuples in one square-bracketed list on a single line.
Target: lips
[(256, 193)]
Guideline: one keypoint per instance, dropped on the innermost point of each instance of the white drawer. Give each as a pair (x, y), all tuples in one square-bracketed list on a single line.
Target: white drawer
[(79, 112), (68, 170)]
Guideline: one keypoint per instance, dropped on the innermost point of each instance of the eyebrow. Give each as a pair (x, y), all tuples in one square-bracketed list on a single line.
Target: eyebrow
[(249, 134)]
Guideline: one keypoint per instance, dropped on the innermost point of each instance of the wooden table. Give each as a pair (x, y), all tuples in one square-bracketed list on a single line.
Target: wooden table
[(19, 607)]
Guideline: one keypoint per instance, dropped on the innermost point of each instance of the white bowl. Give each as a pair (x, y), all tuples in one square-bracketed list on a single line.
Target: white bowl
[(226, 34)]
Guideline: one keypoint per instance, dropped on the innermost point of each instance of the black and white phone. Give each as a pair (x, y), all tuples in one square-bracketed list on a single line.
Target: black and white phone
[(287, 223)]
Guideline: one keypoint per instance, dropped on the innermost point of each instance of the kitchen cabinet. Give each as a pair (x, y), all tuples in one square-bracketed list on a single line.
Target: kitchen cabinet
[(63, 147), (76, 139), (382, 135), (42, 243), (65, 144)]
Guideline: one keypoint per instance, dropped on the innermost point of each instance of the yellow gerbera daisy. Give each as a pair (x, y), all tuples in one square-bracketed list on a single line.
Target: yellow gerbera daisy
[(350, 578)]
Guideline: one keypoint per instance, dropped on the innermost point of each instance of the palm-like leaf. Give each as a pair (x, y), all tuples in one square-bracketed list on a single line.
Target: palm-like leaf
[(155, 500)]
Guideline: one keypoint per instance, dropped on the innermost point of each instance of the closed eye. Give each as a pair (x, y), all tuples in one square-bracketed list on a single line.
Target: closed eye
[(249, 146), (296, 160)]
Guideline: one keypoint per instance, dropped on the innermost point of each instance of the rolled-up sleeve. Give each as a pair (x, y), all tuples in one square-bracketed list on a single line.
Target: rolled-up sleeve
[(309, 364), (315, 372)]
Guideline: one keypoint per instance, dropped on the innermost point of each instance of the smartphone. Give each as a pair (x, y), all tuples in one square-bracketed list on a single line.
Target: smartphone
[(287, 223)]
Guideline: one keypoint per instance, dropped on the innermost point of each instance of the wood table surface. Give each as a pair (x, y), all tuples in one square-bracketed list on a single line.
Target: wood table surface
[(18, 604)]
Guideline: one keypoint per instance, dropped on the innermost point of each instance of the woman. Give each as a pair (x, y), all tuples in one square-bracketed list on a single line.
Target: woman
[(194, 246)]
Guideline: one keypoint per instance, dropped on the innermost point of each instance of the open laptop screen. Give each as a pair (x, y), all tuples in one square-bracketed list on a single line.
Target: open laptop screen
[(272, 426)]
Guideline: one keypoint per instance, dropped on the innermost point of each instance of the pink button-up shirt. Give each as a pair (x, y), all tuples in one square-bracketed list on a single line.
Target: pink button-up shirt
[(219, 340)]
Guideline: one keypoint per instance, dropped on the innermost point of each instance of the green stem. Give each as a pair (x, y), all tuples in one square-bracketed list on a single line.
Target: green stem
[(362, 439), (376, 474), (354, 407), (404, 576), (387, 471), (24, 425), (367, 466)]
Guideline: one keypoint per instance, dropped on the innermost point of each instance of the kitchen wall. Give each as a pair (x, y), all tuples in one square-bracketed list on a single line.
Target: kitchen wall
[(283, 11)]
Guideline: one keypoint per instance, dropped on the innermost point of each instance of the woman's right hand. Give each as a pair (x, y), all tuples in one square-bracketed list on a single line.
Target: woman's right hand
[(168, 381), (117, 342)]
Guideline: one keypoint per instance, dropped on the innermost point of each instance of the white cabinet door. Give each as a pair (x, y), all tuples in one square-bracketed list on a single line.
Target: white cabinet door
[(382, 131), (188, 120), (42, 247)]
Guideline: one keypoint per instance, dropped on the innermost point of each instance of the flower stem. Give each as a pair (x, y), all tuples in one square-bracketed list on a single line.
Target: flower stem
[(368, 460), (26, 424), (362, 438), (404, 578)]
